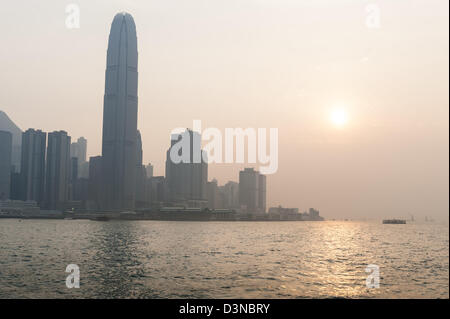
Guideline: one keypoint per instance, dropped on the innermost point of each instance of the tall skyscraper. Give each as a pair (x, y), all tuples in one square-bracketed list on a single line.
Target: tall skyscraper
[(58, 170), (120, 115), (32, 166), (187, 181), (252, 191), (5, 164)]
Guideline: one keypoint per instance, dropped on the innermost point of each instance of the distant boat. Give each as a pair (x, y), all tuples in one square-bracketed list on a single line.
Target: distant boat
[(394, 221)]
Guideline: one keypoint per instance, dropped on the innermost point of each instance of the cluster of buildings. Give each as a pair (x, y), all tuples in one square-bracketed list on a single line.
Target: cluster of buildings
[(54, 173)]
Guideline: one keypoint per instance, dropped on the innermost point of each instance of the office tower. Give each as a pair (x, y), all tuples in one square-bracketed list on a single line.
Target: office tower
[(141, 174), (58, 170), (262, 193), (5, 164), (156, 190), (81, 190), (213, 194), (15, 193), (149, 170), (120, 115), (95, 182), (9, 126), (252, 191), (73, 177), (78, 150), (32, 166), (187, 180), (230, 195)]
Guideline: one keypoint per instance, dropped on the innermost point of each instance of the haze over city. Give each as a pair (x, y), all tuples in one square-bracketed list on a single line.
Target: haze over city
[(362, 112)]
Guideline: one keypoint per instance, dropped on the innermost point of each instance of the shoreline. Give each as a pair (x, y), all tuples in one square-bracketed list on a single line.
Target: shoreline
[(103, 218)]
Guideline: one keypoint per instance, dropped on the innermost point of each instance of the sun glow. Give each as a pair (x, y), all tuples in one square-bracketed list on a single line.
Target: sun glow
[(339, 117)]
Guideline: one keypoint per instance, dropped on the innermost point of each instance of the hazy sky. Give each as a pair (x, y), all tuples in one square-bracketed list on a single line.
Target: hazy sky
[(258, 63)]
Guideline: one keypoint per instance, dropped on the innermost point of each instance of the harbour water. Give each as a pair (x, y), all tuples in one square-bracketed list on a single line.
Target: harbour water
[(157, 259)]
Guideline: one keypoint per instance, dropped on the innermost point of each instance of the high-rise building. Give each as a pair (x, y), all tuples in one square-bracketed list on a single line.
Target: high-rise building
[(120, 115), (252, 191), (15, 193), (73, 177), (5, 164), (187, 180), (141, 175), (58, 170), (32, 166), (95, 182), (156, 190), (149, 170), (262, 193), (78, 150), (6, 124), (213, 194), (230, 195)]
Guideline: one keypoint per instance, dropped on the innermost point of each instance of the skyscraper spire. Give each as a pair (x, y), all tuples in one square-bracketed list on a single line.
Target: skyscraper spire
[(120, 115)]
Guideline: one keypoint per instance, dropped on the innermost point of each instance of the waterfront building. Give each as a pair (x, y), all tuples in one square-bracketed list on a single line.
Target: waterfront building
[(58, 170), (187, 179), (252, 191), (5, 164), (32, 167)]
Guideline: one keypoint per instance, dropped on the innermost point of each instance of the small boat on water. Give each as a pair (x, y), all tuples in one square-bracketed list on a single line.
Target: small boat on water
[(394, 221)]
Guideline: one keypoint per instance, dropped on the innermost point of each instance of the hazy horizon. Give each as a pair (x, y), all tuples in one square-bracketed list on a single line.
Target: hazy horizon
[(283, 64)]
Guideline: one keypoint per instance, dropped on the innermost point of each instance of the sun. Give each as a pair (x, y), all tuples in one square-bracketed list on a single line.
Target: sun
[(339, 117)]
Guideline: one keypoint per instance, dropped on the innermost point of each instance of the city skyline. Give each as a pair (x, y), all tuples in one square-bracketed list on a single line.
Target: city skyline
[(398, 137), (230, 158)]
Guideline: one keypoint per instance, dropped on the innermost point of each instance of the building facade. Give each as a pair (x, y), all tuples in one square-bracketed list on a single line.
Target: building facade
[(119, 141), (32, 167), (5, 164), (187, 179), (252, 191), (230, 195), (95, 183), (78, 150), (57, 170)]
